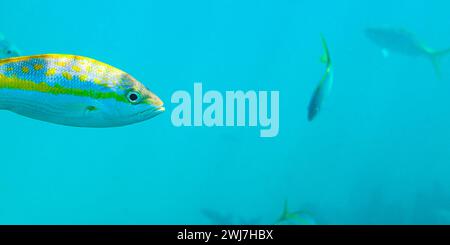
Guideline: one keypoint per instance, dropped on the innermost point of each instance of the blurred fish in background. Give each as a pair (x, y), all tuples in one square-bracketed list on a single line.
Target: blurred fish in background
[(402, 41), (300, 217), (7, 49), (217, 218), (287, 217), (323, 89)]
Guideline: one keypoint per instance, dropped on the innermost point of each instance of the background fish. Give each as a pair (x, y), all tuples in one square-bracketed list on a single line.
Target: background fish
[(295, 218), (74, 91), (7, 49), (324, 87), (217, 218), (404, 42)]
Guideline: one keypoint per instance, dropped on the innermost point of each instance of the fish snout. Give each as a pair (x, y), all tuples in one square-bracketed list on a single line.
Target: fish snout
[(156, 103)]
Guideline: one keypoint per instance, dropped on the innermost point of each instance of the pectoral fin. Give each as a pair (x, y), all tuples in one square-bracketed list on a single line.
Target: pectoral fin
[(80, 108), (91, 108)]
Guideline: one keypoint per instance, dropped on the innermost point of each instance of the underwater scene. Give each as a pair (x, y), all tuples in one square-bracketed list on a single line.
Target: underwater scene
[(288, 112)]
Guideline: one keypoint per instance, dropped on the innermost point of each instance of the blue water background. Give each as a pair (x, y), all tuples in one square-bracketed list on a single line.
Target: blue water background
[(377, 154)]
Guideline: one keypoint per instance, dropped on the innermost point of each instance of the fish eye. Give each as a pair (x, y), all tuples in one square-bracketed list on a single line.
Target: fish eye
[(134, 97), (9, 52)]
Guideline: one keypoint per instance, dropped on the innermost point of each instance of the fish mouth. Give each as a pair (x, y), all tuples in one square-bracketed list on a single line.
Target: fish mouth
[(152, 112), (160, 109)]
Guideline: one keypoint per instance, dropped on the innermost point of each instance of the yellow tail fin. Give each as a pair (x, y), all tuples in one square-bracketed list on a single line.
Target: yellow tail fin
[(436, 59)]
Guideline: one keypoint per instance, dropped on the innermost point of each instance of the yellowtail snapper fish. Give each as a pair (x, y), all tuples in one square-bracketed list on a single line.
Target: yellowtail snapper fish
[(7, 49), (324, 87), (74, 91), (295, 218), (404, 42)]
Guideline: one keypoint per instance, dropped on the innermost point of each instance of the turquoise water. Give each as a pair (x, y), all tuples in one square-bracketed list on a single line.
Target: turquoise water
[(378, 153)]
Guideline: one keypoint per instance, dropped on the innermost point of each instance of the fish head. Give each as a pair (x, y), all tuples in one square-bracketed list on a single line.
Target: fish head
[(133, 103), (384, 37), (8, 50), (374, 33)]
